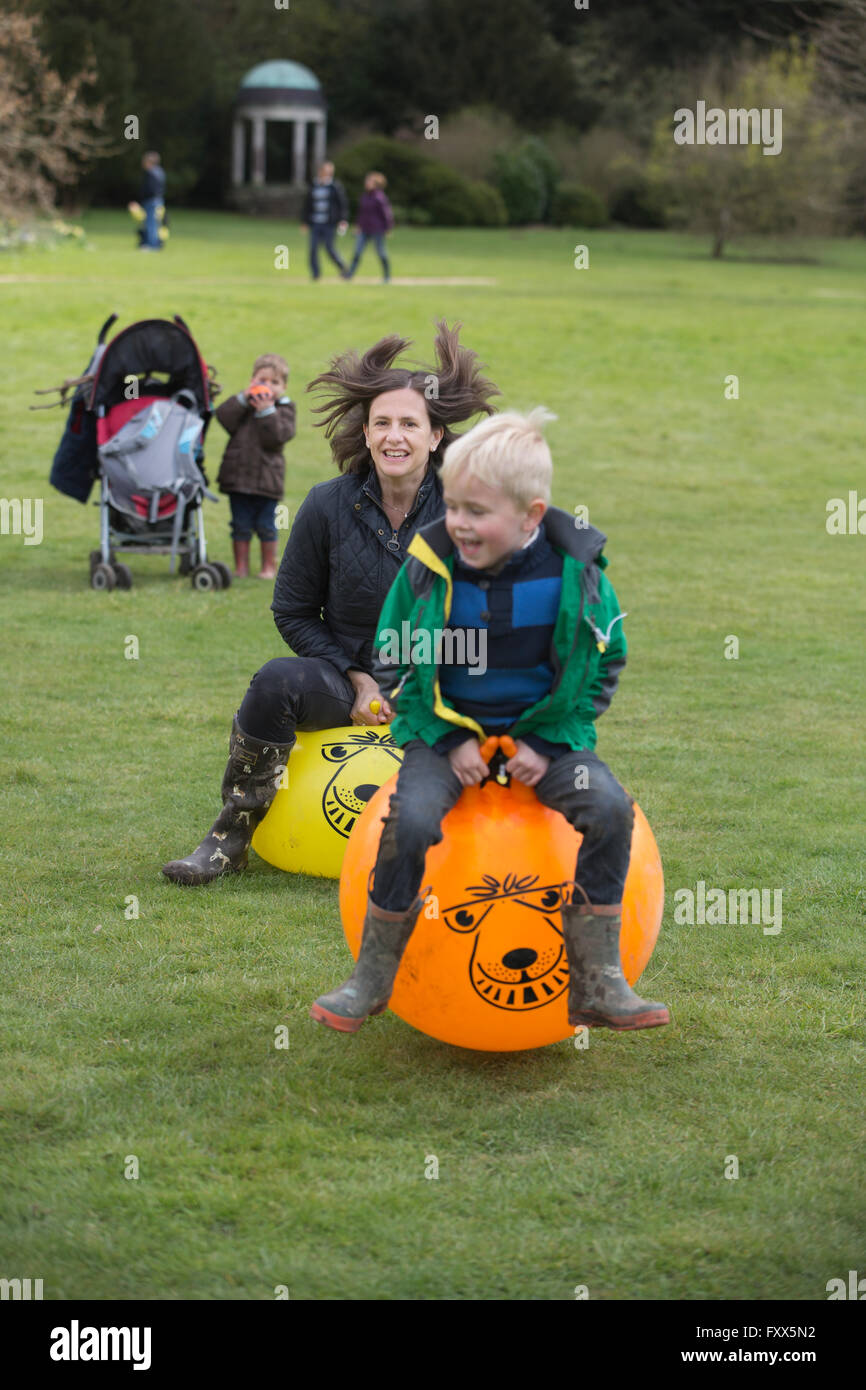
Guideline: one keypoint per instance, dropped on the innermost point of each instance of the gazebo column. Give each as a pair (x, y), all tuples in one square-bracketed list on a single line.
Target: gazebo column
[(299, 153), (258, 149), (318, 143), (238, 143)]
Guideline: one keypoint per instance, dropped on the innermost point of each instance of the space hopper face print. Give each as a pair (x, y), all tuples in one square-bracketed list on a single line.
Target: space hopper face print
[(347, 792), (517, 960)]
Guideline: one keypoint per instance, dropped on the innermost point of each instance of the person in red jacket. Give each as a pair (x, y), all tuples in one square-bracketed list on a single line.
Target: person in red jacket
[(375, 222), (260, 420)]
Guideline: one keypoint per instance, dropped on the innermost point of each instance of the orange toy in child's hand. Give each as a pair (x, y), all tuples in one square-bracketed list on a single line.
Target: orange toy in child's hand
[(493, 743), (258, 392)]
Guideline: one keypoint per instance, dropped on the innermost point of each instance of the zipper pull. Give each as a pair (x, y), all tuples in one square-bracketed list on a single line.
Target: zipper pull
[(600, 643)]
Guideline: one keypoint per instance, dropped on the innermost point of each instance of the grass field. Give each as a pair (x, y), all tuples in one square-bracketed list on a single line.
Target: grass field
[(154, 1037)]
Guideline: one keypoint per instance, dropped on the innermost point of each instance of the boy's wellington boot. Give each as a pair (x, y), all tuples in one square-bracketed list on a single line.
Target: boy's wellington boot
[(599, 994), (249, 786), (242, 558), (269, 560), (368, 989)]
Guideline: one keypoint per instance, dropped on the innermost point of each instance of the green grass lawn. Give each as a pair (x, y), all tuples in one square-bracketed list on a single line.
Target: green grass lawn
[(154, 1037)]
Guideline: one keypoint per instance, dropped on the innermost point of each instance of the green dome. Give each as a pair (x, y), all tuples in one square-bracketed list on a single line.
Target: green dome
[(279, 72)]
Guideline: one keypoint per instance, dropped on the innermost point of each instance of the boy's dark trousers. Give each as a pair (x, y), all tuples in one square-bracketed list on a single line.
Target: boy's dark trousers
[(323, 234), (427, 788), (253, 513)]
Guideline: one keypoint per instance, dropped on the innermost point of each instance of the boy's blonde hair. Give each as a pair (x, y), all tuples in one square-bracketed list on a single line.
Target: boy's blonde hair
[(275, 362), (508, 452)]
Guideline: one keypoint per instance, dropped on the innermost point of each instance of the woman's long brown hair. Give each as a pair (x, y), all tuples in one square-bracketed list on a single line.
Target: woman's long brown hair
[(454, 390)]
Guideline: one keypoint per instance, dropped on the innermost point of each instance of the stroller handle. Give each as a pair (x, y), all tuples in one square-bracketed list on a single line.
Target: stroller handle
[(112, 318)]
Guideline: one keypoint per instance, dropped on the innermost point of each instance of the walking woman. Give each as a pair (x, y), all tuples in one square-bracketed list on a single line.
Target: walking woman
[(387, 431), (375, 222)]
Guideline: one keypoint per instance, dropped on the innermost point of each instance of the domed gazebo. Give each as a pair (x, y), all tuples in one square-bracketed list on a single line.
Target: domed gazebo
[(278, 90)]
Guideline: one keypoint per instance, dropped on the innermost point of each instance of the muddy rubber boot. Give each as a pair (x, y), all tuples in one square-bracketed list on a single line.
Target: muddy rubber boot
[(598, 993), (368, 988), (249, 786), (242, 558), (269, 560)]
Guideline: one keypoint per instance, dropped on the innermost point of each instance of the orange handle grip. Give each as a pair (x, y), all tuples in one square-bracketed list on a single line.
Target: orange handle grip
[(488, 748), (508, 746)]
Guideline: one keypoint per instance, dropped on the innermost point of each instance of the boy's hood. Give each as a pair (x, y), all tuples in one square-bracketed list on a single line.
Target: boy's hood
[(585, 543)]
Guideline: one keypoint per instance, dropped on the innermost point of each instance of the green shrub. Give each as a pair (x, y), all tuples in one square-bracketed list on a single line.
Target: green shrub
[(488, 204), (521, 183), (403, 166), (444, 194), (423, 192), (414, 216), (536, 150), (576, 206), (637, 203)]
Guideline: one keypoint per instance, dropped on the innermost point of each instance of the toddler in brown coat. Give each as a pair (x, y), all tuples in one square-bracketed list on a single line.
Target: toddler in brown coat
[(260, 420)]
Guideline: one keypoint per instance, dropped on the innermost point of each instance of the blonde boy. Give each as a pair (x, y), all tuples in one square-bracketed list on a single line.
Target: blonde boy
[(525, 582)]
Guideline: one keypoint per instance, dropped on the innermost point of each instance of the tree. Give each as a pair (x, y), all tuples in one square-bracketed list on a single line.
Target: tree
[(733, 188), (840, 44), (50, 131)]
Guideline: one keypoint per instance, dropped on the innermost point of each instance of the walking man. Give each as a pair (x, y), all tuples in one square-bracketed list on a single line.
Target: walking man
[(152, 197), (326, 211)]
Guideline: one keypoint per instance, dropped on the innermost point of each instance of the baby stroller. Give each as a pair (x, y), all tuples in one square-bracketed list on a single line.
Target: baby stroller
[(137, 423)]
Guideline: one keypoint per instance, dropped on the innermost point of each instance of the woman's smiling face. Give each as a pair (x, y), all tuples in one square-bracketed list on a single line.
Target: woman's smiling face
[(399, 434)]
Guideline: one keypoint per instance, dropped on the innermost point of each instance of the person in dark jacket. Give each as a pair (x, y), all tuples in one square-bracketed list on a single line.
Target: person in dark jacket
[(151, 196), (260, 420), (350, 537), (375, 221), (326, 211)]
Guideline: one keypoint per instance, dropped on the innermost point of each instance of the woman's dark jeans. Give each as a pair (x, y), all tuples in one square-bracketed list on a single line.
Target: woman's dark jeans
[(295, 692), (378, 239), (427, 788)]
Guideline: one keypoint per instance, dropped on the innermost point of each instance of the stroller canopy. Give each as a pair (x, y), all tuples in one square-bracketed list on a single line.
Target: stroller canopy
[(162, 354)]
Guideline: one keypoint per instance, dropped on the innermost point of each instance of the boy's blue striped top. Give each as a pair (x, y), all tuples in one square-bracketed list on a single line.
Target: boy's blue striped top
[(513, 614)]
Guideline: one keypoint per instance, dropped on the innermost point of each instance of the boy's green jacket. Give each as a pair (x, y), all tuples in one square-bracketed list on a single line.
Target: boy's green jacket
[(587, 653)]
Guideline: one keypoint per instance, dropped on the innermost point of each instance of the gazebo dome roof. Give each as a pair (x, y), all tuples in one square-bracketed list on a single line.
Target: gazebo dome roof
[(280, 80)]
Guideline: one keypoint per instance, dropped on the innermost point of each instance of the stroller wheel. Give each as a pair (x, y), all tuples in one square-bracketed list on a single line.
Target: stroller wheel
[(102, 577), (205, 577), (223, 571), (96, 559), (185, 564), (123, 575)]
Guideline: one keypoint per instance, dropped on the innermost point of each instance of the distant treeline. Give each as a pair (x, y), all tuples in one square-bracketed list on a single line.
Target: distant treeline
[(384, 65)]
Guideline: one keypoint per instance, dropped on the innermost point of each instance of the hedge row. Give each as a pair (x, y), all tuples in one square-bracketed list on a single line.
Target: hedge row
[(523, 188)]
